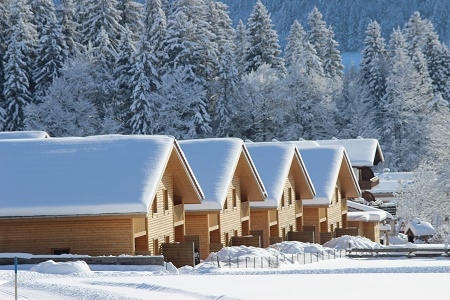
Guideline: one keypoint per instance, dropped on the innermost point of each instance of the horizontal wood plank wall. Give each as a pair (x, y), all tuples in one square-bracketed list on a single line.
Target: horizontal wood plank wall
[(197, 224), (311, 217), (82, 235), (305, 237), (260, 221), (286, 214), (230, 218), (160, 224), (179, 254), (253, 241), (334, 216)]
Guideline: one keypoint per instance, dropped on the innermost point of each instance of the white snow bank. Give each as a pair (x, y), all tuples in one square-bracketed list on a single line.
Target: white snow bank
[(63, 268), (238, 251), (293, 247), (347, 241)]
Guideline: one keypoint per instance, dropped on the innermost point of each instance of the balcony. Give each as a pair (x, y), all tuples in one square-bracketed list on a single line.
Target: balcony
[(213, 221), (322, 214), (273, 217), (178, 214), (368, 184)]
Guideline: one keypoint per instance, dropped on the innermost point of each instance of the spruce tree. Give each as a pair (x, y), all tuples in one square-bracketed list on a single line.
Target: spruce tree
[(263, 41), (70, 27), (155, 23), (131, 15), (241, 46)]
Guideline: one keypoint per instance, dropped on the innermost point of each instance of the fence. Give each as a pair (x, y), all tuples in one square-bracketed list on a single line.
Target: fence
[(275, 261)]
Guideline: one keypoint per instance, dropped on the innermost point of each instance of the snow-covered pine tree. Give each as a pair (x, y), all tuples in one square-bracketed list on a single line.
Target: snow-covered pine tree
[(4, 30), (131, 15), (405, 126), (374, 67), (183, 102), (51, 50), (66, 12), (259, 104), (190, 41), (122, 76), (332, 60), (241, 44), (19, 62), (98, 16), (294, 50), (318, 33), (263, 46), (155, 23), (142, 115)]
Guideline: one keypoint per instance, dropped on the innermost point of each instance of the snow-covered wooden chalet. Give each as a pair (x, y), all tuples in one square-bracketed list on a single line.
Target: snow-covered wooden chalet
[(367, 219), (287, 182), (334, 182), (230, 182), (100, 195), (363, 154)]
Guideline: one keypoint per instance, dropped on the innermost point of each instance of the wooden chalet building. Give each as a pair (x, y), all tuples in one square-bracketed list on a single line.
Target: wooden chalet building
[(100, 195), (230, 182), (334, 182), (363, 154), (287, 182), (367, 219)]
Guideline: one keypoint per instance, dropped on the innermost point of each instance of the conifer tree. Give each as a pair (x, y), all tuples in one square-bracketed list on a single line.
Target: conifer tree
[(131, 15), (155, 23), (51, 49), (70, 27), (241, 46), (263, 41)]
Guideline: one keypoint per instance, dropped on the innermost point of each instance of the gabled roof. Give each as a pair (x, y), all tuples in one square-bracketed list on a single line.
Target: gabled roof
[(8, 135), (392, 182), (96, 175), (325, 165), (365, 213), (214, 162), (273, 162), (420, 228), (361, 152)]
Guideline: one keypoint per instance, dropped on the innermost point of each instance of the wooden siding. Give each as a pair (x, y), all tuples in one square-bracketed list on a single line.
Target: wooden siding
[(286, 214), (82, 235), (230, 218), (160, 224), (197, 224), (260, 222)]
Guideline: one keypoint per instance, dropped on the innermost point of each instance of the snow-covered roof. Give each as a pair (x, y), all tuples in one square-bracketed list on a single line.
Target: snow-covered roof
[(273, 162), (325, 164), (214, 162), (361, 152), (420, 228), (109, 174), (392, 182), (8, 135), (365, 213)]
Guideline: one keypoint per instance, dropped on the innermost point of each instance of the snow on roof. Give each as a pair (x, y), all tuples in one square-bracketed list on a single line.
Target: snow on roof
[(213, 162), (420, 228), (273, 162), (392, 182), (364, 213), (323, 164), (8, 135), (109, 174), (361, 152)]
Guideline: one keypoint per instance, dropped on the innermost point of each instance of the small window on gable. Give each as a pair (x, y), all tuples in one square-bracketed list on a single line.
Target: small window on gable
[(289, 196), (225, 205), (155, 205), (234, 198), (282, 200), (166, 199)]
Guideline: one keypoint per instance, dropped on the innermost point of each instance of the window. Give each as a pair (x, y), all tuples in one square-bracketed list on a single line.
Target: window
[(166, 199), (155, 205), (226, 239), (156, 247), (282, 200), (235, 233), (289, 196), (59, 251), (234, 198), (225, 205)]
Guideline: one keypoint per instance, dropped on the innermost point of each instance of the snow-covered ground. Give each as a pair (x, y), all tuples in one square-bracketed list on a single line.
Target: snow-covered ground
[(341, 278)]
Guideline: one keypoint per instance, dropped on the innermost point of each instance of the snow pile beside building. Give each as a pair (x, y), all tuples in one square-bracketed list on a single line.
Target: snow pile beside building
[(347, 241), (62, 268), (294, 247)]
